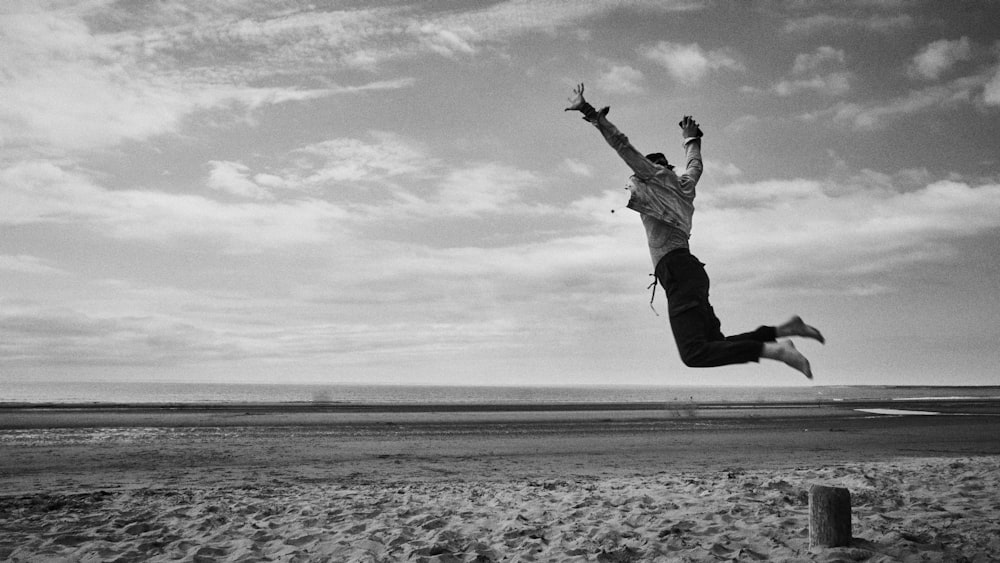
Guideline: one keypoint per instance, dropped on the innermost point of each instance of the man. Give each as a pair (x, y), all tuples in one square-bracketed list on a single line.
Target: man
[(665, 202)]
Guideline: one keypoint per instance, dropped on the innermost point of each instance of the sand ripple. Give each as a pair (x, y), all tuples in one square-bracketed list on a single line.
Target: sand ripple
[(914, 510)]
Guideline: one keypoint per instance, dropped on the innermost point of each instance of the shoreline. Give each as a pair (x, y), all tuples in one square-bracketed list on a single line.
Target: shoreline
[(84, 394), (659, 415), (512, 405)]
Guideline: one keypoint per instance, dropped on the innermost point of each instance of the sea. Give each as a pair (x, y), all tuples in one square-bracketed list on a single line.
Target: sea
[(26, 392)]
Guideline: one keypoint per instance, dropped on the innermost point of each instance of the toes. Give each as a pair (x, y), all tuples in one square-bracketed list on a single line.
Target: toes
[(812, 332)]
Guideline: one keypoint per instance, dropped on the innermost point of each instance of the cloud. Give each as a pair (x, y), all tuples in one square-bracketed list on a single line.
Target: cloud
[(820, 237), (821, 71), (823, 58), (363, 176), (843, 235), (991, 92), (830, 236), (71, 88), (445, 302), (92, 76), (505, 20), (472, 191), (41, 335), (447, 41), (940, 56), (741, 124), (621, 79), (249, 42), (356, 160), (231, 177), (877, 23), (324, 192), (486, 188), (261, 41), (833, 84), (345, 170), (689, 64), (958, 92), (726, 169), (25, 264), (34, 192), (578, 168)]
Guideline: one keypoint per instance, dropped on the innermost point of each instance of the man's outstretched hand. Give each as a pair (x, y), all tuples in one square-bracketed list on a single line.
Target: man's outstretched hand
[(689, 127), (576, 102)]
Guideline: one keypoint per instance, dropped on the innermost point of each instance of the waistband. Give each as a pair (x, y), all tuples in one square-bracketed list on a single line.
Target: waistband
[(673, 254)]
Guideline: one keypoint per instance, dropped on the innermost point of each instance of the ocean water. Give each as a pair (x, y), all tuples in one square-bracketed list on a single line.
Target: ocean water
[(160, 393)]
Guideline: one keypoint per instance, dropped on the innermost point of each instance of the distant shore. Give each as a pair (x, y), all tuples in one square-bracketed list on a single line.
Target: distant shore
[(134, 392)]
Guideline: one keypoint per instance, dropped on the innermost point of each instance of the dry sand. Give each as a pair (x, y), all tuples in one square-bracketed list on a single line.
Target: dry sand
[(304, 484)]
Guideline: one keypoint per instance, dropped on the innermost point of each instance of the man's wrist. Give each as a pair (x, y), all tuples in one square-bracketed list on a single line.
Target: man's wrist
[(588, 111)]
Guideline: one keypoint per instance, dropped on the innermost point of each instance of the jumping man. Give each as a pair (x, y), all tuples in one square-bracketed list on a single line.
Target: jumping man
[(665, 203)]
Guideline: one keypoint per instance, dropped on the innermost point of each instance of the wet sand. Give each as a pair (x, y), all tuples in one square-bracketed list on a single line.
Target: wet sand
[(501, 483)]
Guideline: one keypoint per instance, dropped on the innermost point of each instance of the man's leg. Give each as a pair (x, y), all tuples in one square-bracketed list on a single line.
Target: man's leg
[(760, 334), (693, 330), (690, 329), (696, 328)]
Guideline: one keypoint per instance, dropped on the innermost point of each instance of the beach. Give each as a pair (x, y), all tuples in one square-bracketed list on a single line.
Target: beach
[(605, 482)]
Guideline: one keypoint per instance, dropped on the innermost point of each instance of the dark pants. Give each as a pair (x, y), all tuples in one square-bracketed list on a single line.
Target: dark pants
[(696, 329)]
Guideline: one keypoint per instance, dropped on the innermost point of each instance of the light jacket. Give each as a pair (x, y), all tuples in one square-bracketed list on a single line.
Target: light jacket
[(656, 190)]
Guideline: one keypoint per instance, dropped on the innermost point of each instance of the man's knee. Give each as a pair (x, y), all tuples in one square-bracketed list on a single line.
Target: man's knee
[(694, 355)]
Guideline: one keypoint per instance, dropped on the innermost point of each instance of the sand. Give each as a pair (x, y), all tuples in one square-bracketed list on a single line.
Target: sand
[(302, 484)]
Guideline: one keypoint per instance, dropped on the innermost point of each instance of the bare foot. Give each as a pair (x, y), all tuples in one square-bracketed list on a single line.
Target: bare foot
[(797, 327), (785, 351)]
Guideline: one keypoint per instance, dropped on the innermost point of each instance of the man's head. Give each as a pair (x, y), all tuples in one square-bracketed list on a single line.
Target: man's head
[(658, 158)]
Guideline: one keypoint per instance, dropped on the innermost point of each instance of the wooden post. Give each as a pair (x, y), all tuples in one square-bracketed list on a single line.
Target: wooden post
[(829, 516)]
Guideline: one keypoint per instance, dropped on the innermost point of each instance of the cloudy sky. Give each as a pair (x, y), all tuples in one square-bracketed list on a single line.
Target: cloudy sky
[(390, 192)]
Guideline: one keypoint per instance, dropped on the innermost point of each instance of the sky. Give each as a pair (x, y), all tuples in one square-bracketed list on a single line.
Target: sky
[(391, 193)]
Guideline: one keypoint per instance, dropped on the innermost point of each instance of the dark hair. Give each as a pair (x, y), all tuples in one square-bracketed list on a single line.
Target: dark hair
[(658, 158)]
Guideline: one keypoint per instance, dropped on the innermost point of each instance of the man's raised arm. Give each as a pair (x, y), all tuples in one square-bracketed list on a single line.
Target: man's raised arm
[(618, 141), (692, 147)]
